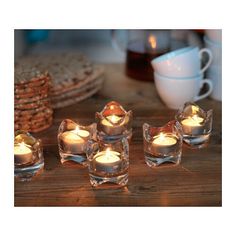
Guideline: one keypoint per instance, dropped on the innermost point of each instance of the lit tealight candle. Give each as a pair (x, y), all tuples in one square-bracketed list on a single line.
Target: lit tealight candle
[(75, 141), (111, 124), (107, 161), (192, 125), (163, 143), (22, 154)]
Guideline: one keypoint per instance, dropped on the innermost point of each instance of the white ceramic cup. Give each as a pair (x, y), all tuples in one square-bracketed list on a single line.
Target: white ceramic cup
[(184, 62), (175, 92)]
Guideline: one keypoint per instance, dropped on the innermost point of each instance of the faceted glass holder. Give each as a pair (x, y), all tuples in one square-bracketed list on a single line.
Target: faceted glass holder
[(196, 125), (108, 163), (73, 139), (162, 145), (28, 156), (114, 123)]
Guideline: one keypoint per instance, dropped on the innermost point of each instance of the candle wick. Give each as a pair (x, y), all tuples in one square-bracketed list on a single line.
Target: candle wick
[(76, 131), (162, 136), (194, 117), (22, 145)]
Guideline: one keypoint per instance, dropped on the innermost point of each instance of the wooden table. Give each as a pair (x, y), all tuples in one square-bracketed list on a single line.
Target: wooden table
[(195, 182)]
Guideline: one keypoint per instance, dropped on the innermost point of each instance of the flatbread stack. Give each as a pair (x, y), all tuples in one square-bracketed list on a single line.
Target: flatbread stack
[(33, 110), (47, 82), (74, 77)]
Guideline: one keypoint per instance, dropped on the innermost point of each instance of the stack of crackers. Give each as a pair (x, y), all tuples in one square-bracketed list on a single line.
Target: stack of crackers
[(73, 78), (33, 110)]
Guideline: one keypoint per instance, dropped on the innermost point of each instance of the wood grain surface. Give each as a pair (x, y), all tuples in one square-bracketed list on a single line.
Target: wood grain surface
[(197, 181)]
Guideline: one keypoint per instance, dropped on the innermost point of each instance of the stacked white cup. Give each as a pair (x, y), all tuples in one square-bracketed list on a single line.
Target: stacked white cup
[(213, 41), (179, 77)]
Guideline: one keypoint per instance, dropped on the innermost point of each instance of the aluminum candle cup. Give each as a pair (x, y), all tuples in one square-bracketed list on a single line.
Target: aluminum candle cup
[(75, 141), (109, 125), (192, 125), (107, 162), (22, 154), (164, 144)]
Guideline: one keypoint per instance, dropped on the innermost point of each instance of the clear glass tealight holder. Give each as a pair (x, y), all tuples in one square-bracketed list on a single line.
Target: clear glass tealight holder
[(108, 162), (73, 139), (196, 124), (162, 145), (28, 156), (114, 123)]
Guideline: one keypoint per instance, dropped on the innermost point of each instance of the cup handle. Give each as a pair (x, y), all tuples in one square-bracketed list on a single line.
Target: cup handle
[(210, 88), (210, 58)]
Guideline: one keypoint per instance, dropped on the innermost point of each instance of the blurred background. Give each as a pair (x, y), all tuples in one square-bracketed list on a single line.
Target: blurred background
[(98, 45), (82, 63)]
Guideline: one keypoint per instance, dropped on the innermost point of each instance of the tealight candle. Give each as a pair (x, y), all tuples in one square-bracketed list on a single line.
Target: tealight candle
[(193, 125), (111, 124), (107, 161), (114, 123), (28, 156), (22, 154), (163, 143), (75, 141)]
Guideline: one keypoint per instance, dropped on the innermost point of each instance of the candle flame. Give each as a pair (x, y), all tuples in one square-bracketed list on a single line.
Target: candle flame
[(152, 40), (162, 136), (114, 118), (195, 117), (76, 131), (108, 152), (195, 109), (22, 145), (80, 132)]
